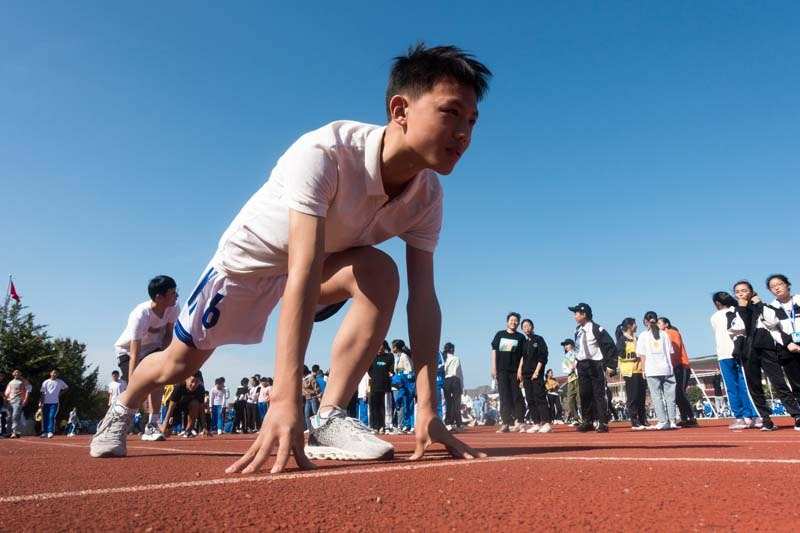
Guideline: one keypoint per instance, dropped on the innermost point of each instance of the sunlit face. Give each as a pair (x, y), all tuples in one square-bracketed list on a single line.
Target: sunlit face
[(580, 318), (439, 124), (53, 374), (662, 325), (512, 323), (527, 328), (169, 298), (779, 288), (743, 292), (192, 383), (16, 374), (568, 347)]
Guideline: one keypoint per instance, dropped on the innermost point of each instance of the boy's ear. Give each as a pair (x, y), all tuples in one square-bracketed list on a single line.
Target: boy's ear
[(397, 109)]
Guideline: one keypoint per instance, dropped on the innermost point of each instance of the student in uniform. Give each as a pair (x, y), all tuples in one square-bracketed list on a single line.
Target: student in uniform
[(632, 371), (505, 358), (596, 359), (569, 365), (655, 349), (744, 414), (531, 374), (149, 329), (218, 400), (453, 387), (380, 374), (787, 335), (764, 344), (186, 404)]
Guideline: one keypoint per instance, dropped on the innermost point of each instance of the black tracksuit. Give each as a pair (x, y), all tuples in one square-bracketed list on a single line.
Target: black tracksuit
[(534, 351), (762, 353), (508, 349)]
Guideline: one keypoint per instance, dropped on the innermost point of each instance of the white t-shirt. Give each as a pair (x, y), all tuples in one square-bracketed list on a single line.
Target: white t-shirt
[(333, 172), (51, 389), (402, 363), (115, 388), (657, 352), (363, 385), (719, 324), (218, 396), (146, 327)]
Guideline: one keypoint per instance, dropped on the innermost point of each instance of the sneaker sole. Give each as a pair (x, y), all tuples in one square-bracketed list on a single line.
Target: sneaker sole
[(339, 454), (99, 455)]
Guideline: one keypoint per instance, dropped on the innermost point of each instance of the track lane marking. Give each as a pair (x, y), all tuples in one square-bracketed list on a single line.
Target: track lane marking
[(372, 470)]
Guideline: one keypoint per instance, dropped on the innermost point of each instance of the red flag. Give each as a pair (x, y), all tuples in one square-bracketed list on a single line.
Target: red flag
[(12, 291)]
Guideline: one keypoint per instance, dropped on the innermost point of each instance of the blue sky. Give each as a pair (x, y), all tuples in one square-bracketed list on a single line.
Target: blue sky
[(633, 155)]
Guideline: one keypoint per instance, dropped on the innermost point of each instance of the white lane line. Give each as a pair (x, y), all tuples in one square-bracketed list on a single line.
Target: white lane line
[(139, 447), (372, 470)]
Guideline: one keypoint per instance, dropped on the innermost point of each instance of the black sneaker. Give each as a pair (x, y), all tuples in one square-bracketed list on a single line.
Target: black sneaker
[(769, 425), (797, 423), (584, 427), (602, 428), (691, 423)]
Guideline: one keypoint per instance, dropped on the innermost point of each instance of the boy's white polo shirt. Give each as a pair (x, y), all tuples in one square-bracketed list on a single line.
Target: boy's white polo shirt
[(332, 172)]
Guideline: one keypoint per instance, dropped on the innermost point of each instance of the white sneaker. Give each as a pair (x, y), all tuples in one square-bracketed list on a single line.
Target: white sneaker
[(219, 432), (545, 428), (503, 429), (517, 428), (534, 428), (112, 432), (758, 423), (152, 433), (674, 425), (662, 426), (49, 435), (345, 439), (739, 424), (638, 428), (652, 427)]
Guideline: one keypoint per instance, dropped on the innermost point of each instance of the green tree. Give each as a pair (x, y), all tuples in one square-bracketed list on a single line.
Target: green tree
[(25, 345)]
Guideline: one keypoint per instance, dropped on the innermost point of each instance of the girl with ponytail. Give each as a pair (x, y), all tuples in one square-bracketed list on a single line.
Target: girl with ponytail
[(655, 350)]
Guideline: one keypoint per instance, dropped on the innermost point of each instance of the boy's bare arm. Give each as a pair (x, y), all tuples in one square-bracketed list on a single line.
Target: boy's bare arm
[(424, 329), (284, 426)]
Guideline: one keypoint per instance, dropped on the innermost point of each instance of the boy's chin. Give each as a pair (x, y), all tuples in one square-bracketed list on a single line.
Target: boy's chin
[(443, 168)]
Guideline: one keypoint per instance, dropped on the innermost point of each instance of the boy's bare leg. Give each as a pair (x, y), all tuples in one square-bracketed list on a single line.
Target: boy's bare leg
[(369, 277), (176, 363)]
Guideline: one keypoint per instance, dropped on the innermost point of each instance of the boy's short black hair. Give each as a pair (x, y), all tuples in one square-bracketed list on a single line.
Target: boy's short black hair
[(513, 313), (113, 372), (159, 285), (420, 69), (780, 277)]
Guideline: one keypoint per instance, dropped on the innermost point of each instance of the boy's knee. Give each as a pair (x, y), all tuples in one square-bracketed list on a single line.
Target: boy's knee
[(377, 270)]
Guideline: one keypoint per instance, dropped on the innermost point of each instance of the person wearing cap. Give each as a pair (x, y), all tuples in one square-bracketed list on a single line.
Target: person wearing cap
[(596, 357), (569, 366)]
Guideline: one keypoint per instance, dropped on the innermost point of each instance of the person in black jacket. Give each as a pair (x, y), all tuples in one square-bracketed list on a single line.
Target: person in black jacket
[(759, 352), (380, 382), (596, 358), (531, 374)]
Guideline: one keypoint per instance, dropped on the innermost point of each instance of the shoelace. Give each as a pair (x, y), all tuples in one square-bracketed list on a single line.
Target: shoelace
[(358, 425), (118, 426)]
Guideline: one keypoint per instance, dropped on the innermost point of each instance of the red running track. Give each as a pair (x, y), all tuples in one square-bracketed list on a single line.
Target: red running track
[(705, 478)]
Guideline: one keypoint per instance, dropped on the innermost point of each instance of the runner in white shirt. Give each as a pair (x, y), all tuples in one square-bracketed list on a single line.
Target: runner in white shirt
[(655, 349), (51, 393), (115, 387), (307, 238), (149, 330)]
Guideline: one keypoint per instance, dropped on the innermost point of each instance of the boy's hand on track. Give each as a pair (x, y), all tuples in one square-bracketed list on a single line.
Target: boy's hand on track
[(283, 428), (430, 429)]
